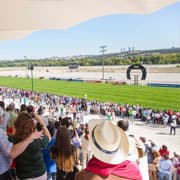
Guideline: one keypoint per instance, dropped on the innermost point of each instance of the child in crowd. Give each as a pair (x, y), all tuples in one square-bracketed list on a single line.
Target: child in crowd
[(50, 164)]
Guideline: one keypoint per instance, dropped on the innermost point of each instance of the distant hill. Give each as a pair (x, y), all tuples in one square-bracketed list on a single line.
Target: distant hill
[(157, 56), (139, 52)]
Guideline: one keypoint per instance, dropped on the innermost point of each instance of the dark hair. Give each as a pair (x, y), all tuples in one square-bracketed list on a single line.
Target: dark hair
[(143, 139), (7, 108), (40, 110), (2, 104), (123, 124), (165, 156), (39, 126), (62, 145), (56, 124), (23, 107), (51, 129), (17, 110), (66, 122), (30, 109), (164, 147)]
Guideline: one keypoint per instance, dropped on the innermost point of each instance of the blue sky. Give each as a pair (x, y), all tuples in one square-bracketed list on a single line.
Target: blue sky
[(160, 29)]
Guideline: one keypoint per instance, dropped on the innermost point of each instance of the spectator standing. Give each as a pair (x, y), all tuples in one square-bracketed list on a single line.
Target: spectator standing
[(109, 145), (164, 168), (85, 148), (12, 114), (50, 164), (173, 126), (41, 112), (10, 151), (164, 150), (5, 117), (28, 166), (176, 167), (65, 154), (136, 149)]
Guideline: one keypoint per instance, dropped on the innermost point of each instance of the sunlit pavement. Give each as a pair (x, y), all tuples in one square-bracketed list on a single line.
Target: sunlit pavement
[(158, 134)]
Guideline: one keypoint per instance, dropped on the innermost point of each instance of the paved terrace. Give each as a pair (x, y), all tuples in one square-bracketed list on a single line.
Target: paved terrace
[(157, 133)]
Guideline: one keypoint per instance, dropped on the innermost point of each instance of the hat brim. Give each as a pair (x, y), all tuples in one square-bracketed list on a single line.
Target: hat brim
[(119, 156)]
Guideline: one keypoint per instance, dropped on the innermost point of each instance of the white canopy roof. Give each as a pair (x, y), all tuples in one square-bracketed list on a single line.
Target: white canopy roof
[(19, 18)]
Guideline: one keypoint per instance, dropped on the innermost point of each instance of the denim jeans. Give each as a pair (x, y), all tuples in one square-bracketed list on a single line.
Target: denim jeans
[(163, 175), (51, 176)]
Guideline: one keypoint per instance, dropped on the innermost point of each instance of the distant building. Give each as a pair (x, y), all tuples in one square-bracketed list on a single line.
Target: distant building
[(73, 65)]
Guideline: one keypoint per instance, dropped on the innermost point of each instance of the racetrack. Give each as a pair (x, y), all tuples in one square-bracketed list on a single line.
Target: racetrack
[(155, 73)]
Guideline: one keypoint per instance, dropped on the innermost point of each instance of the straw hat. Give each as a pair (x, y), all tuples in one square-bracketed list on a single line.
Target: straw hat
[(108, 142)]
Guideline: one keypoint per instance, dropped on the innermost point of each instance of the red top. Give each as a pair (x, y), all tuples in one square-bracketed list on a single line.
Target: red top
[(162, 152), (126, 169)]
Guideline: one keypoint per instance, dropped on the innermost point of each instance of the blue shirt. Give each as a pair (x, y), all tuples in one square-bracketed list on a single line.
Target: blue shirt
[(50, 164), (165, 166), (5, 147)]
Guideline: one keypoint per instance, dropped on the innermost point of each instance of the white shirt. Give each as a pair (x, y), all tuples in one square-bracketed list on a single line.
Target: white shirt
[(173, 124), (85, 144), (5, 121), (5, 147)]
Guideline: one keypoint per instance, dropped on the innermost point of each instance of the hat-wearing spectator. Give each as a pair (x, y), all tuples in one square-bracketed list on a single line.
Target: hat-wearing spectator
[(109, 145), (30, 164), (10, 151)]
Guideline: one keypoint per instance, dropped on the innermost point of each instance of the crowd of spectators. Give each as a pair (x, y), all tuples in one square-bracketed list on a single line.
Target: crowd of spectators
[(58, 105), (57, 144)]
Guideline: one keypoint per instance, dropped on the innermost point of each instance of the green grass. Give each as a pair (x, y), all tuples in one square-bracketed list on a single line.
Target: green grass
[(155, 97)]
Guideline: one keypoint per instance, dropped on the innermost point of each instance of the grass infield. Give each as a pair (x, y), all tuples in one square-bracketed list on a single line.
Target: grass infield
[(155, 97)]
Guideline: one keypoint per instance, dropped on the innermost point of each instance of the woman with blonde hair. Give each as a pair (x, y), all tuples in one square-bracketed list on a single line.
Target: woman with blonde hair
[(65, 154), (30, 164)]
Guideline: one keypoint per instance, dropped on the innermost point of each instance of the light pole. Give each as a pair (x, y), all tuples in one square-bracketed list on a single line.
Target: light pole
[(31, 68), (103, 50)]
